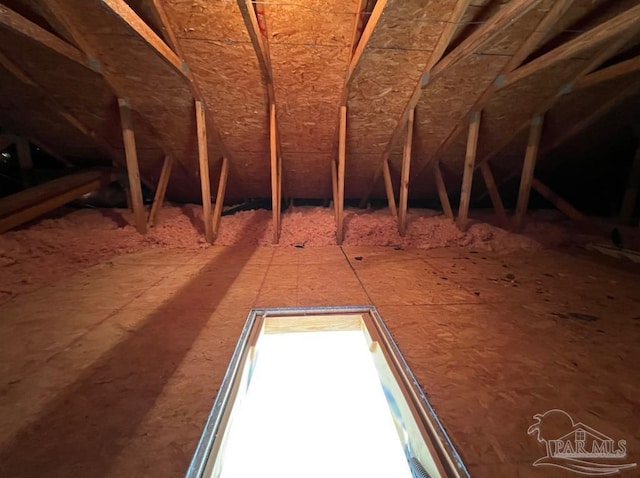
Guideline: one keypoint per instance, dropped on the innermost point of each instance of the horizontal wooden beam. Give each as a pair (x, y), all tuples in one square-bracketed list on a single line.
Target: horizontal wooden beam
[(605, 31), (609, 73), (15, 22), (34, 202), (131, 18)]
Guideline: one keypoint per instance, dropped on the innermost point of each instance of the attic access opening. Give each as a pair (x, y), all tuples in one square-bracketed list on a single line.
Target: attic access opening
[(321, 392)]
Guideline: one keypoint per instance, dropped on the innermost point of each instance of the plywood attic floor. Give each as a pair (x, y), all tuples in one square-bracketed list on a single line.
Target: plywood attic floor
[(112, 370)]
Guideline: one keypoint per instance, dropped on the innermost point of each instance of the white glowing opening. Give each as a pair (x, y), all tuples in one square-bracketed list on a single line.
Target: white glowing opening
[(315, 408)]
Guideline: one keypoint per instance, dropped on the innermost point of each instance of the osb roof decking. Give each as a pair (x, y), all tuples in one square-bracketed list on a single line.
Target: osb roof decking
[(309, 45), (63, 93)]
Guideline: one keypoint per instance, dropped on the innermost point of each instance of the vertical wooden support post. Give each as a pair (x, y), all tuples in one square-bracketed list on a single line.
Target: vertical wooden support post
[(341, 168), (492, 188), (388, 186), (273, 141), (528, 168), (442, 192), (404, 176), (334, 188), (279, 202), (161, 190), (469, 166), (631, 192), (133, 172), (205, 181), (222, 187)]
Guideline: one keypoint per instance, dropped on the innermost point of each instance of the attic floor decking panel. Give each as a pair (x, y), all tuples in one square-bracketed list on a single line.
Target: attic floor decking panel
[(112, 372)]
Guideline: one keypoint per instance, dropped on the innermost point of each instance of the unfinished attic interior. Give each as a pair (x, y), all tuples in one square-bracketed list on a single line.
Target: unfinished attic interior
[(450, 185)]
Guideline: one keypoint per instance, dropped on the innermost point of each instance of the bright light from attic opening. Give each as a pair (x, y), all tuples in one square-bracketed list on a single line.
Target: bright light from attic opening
[(315, 408)]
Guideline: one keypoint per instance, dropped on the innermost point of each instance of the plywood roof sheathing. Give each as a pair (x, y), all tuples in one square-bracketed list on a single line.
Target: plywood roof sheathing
[(137, 25), (133, 51), (540, 34), (548, 88), (55, 107), (214, 40), (533, 41), (310, 47), (611, 28), (10, 19), (430, 72), (575, 111)]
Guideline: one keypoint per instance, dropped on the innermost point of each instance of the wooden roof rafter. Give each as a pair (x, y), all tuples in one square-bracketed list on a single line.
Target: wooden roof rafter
[(17, 23), (534, 40), (609, 73), (260, 46), (549, 143), (614, 27), (65, 15), (57, 108), (159, 11), (376, 14), (131, 18), (480, 37), (601, 55)]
